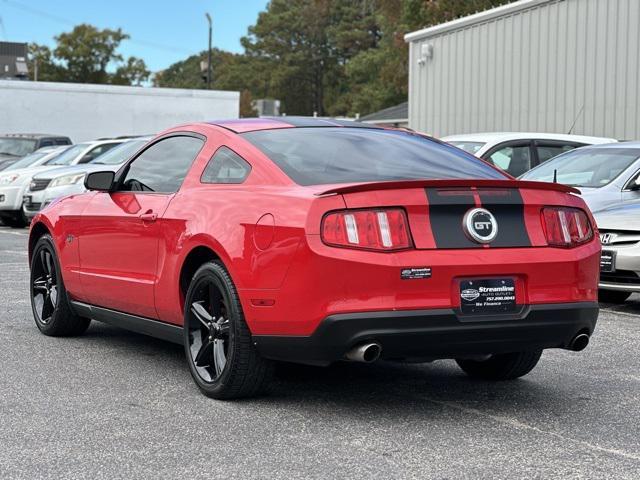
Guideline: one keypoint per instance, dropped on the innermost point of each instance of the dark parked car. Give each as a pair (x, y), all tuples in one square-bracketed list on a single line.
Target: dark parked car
[(14, 146)]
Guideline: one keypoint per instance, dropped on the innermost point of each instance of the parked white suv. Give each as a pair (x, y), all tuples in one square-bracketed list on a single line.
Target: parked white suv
[(70, 180), (78, 154), (15, 180), (517, 153)]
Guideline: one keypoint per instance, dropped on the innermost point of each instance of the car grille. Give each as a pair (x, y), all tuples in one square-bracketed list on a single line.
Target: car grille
[(39, 184), (620, 276), (32, 207), (619, 237)]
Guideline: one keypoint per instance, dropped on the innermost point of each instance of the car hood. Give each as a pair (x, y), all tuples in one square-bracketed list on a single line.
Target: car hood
[(61, 171), (622, 217)]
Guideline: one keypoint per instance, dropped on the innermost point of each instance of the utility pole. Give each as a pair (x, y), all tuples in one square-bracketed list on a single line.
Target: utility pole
[(209, 66)]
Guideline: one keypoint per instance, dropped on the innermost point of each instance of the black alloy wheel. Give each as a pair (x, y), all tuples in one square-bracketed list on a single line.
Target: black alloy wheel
[(51, 310), (222, 359)]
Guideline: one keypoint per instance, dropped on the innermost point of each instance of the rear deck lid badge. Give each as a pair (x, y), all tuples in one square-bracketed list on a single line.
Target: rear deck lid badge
[(480, 225)]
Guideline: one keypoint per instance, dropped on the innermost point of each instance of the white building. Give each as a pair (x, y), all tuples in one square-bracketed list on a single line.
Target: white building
[(532, 65), (85, 112)]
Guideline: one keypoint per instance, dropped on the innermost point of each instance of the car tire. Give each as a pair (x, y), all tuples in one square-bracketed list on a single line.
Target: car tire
[(612, 296), (49, 301), (220, 353), (506, 366), (18, 221)]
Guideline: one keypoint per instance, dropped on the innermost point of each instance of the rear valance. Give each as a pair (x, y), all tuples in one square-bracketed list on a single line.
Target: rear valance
[(391, 185)]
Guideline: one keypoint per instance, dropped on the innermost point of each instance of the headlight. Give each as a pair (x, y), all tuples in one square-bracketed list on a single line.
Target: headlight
[(67, 180), (7, 179)]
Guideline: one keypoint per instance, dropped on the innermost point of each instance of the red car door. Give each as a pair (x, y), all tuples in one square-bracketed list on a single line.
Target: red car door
[(119, 250), (119, 239)]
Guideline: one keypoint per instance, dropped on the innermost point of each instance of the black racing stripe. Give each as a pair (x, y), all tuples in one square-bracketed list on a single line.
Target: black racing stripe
[(448, 207), (446, 211), (508, 208)]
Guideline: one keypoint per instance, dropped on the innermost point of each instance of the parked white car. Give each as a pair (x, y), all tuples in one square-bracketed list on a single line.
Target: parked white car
[(15, 180), (78, 154), (70, 180), (516, 153)]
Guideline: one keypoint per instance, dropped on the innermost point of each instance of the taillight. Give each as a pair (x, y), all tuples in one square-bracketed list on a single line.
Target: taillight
[(565, 226), (376, 229)]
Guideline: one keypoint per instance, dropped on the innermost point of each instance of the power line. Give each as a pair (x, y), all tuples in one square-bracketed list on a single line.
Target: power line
[(66, 21)]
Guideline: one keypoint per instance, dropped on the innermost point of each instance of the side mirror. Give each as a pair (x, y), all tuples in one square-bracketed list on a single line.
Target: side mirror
[(100, 181)]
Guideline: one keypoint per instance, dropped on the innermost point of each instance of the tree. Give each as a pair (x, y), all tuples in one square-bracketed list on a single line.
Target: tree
[(41, 60), (133, 72), (84, 55)]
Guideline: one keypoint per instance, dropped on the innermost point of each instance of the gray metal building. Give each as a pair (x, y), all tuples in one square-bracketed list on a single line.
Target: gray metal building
[(531, 65)]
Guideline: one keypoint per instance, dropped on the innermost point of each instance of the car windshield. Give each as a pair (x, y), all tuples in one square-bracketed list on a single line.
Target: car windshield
[(120, 153), (68, 156), (590, 167), (30, 159), (471, 147), (317, 156), (18, 147)]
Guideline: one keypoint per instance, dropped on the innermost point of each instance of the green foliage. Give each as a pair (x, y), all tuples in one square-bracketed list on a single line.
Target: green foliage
[(83, 55), (332, 57)]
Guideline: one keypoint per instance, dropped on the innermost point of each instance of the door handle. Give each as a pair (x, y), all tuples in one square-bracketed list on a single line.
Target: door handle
[(149, 217)]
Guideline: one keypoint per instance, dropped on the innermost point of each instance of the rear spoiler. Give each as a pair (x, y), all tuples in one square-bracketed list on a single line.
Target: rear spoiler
[(402, 184)]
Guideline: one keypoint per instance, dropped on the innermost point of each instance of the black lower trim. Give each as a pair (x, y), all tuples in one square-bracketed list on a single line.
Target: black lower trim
[(433, 334), (146, 326)]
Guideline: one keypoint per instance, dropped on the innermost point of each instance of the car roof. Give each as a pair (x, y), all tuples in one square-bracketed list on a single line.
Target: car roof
[(498, 137), (243, 125), (633, 145)]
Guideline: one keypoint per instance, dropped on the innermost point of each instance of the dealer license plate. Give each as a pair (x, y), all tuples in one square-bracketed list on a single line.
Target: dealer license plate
[(487, 296)]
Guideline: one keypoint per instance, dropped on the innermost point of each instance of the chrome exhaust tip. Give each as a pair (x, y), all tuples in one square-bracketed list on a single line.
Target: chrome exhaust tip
[(579, 342), (365, 352)]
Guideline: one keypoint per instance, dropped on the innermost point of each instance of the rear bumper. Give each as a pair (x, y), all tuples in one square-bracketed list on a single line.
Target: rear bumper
[(434, 334)]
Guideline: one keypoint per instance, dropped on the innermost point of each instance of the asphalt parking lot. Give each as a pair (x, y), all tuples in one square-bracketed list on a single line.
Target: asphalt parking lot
[(113, 404)]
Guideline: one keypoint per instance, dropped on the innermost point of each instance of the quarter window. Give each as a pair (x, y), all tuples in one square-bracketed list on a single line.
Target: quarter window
[(512, 159), (226, 166), (162, 167)]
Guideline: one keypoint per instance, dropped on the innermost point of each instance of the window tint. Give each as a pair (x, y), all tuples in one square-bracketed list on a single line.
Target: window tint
[(226, 166), (547, 152), (68, 156), (120, 153), (512, 159), (163, 166), (315, 156), (588, 167), (96, 152)]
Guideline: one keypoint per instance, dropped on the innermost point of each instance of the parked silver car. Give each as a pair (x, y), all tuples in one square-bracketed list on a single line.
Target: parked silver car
[(620, 261), (607, 175)]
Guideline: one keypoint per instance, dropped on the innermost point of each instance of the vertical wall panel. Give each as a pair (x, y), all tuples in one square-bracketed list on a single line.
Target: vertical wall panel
[(539, 68)]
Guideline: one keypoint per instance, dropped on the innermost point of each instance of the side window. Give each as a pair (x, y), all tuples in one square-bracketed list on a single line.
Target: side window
[(513, 159), (96, 152), (226, 166), (163, 166), (45, 143), (547, 152), (63, 141)]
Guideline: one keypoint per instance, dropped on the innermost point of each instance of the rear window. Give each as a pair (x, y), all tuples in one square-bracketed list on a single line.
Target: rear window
[(316, 156)]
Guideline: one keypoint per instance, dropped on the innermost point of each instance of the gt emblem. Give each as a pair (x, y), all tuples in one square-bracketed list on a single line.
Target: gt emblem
[(607, 238), (480, 225)]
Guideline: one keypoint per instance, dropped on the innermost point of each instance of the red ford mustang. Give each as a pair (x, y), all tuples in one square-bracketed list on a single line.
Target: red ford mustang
[(313, 241)]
